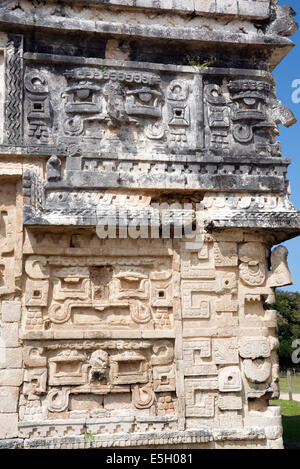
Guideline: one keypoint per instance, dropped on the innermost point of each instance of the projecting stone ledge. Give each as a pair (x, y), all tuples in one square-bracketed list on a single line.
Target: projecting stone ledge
[(287, 222), (252, 436), (241, 8), (261, 23), (148, 31)]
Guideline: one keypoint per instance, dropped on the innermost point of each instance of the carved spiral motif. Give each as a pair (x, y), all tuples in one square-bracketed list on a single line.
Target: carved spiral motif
[(163, 353), (74, 126), (99, 359), (36, 267), (243, 133), (140, 313), (142, 397), (59, 313), (257, 371), (154, 131), (58, 399), (36, 82)]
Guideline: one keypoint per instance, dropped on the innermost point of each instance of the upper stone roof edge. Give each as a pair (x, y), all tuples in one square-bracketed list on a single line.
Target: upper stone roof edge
[(148, 31), (265, 16), (276, 44), (251, 9)]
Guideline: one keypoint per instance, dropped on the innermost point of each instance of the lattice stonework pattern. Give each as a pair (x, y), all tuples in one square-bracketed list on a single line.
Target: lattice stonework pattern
[(142, 194)]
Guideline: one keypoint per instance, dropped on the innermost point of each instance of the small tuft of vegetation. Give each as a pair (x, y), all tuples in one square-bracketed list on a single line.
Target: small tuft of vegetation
[(103, 68), (88, 436), (199, 63)]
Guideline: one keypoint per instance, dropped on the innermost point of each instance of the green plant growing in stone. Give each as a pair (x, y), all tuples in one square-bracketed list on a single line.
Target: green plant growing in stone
[(34, 19), (103, 68), (88, 436), (198, 62)]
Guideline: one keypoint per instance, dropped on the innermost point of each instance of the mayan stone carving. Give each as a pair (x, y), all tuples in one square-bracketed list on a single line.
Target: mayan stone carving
[(143, 201)]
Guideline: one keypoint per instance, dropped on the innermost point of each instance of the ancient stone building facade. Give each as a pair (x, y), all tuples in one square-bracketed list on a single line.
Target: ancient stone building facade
[(143, 197)]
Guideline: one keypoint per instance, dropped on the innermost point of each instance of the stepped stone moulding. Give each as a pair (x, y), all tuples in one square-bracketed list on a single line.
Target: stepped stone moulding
[(143, 200)]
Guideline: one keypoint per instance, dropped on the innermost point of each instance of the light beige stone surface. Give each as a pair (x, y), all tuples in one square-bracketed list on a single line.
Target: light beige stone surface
[(129, 296), (8, 399), (8, 425), (11, 311), (13, 377)]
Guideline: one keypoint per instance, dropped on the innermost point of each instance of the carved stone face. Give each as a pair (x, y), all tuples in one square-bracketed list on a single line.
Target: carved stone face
[(99, 360), (253, 266)]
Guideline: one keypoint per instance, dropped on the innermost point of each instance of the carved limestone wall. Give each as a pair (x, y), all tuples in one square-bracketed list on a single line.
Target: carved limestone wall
[(143, 200), (135, 337)]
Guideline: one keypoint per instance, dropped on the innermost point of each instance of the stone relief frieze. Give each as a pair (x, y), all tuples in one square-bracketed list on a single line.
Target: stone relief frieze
[(133, 371), (14, 90), (111, 105), (107, 126), (240, 115), (10, 238), (115, 346), (138, 109), (111, 295), (37, 107)]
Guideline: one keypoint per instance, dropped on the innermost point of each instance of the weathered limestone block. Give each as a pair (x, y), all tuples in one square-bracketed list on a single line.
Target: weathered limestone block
[(8, 399), (8, 425), (11, 311), (10, 334), (11, 357), (13, 377), (280, 272)]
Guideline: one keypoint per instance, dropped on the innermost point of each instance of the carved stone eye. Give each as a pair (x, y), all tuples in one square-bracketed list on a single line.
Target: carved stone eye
[(36, 82), (37, 106), (83, 94), (145, 97), (178, 112), (250, 101)]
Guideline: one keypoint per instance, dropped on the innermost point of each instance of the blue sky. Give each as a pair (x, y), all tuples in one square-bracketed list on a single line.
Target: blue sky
[(285, 74)]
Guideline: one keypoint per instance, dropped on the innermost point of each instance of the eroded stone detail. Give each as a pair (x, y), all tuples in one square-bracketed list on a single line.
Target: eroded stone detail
[(131, 363)]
